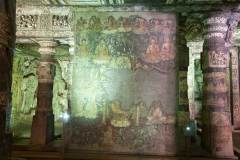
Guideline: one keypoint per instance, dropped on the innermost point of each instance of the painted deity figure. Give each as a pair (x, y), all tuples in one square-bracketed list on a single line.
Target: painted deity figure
[(156, 25), (141, 25), (156, 115), (83, 48), (94, 24), (102, 52), (152, 54), (124, 24), (167, 51), (81, 24), (167, 26), (111, 23)]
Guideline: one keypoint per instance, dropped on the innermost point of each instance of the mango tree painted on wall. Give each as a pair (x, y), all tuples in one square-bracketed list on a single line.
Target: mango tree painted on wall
[(123, 96)]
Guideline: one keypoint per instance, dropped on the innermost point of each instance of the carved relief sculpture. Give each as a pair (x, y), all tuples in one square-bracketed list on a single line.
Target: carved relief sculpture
[(27, 21)]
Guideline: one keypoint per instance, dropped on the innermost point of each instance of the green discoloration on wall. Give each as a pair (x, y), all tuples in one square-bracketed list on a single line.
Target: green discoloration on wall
[(25, 84)]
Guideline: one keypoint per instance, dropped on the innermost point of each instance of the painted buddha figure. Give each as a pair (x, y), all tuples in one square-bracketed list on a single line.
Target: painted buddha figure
[(84, 49), (102, 52)]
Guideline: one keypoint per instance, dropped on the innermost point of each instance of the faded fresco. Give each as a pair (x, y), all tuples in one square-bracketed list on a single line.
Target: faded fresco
[(123, 96)]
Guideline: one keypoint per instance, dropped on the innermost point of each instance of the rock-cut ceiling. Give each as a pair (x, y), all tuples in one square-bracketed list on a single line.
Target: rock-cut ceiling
[(69, 2), (120, 2)]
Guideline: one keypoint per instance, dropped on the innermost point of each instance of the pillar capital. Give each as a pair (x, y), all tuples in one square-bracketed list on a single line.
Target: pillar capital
[(216, 27), (47, 47), (46, 67), (195, 49), (195, 46), (216, 44)]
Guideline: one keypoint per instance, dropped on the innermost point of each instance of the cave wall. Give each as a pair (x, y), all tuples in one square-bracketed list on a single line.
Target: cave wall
[(123, 96), (123, 82)]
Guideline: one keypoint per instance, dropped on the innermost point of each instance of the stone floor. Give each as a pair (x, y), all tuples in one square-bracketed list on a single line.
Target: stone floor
[(77, 156), (54, 151)]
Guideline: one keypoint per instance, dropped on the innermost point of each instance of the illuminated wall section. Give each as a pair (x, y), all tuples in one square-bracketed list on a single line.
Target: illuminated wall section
[(123, 96), (24, 88), (24, 85)]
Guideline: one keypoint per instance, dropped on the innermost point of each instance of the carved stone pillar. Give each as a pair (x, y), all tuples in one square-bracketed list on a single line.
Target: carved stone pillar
[(195, 50), (183, 103), (235, 99), (217, 128), (182, 76), (67, 123), (43, 120), (5, 82)]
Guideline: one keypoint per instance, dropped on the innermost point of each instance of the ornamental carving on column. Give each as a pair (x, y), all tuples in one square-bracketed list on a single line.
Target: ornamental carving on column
[(61, 22), (218, 38), (232, 26), (217, 58), (216, 31), (194, 27), (27, 21), (4, 30), (44, 21)]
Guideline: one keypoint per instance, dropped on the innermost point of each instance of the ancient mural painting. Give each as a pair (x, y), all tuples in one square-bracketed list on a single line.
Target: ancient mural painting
[(123, 96)]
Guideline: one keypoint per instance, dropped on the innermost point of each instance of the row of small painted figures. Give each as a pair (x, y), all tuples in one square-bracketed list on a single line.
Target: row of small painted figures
[(131, 23)]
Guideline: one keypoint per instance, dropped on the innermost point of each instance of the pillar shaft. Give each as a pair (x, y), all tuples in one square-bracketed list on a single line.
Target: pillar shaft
[(6, 42), (217, 125), (43, 120), (195, 49), (5, 81), (183, 103), (183, 87), (67, 123), (235, 99)]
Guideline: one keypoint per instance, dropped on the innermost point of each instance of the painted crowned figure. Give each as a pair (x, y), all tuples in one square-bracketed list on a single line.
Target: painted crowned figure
[(153, 54), (167, 50)]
